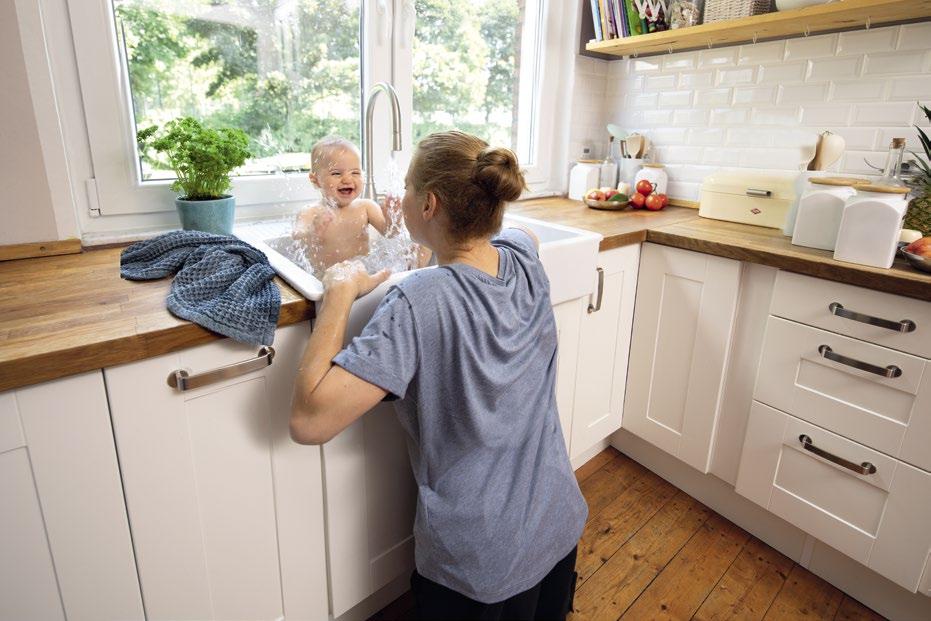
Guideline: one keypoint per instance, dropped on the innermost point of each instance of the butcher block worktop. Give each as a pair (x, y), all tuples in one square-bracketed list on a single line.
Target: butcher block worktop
[(69, 314)]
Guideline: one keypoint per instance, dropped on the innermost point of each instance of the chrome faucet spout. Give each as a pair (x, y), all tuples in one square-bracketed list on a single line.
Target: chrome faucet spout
[(369, 191)]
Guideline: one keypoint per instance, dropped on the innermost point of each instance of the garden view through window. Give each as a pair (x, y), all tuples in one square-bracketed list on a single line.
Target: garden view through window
[(288, 72)]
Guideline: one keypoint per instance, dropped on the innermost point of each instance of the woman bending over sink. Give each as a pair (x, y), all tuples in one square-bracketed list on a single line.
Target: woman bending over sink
[(467, 351)]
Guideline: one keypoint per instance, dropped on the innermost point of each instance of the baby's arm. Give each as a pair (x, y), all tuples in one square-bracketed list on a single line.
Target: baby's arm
[(376, 217)]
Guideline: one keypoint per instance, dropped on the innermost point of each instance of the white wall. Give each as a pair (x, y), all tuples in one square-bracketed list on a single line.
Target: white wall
[(27, 212), (762, 105)]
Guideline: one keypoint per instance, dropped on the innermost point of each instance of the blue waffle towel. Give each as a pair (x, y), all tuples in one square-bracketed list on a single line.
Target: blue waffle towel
[(222, 283)]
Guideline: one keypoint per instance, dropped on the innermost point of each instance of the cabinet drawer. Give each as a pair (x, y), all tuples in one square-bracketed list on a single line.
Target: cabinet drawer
[(809, 300), (889, 414), (879, 519)]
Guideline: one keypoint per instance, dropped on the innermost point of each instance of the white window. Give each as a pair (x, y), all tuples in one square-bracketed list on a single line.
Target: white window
[(291, 71)]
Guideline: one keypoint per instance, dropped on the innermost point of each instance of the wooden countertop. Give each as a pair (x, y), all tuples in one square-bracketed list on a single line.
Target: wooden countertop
[(69, 314)]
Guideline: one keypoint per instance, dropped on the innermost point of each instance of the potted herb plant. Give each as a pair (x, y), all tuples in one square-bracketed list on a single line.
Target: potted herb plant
[(202, 159), (918, 216)]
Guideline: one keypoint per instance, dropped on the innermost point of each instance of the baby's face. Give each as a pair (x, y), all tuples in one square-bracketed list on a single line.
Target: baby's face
[(339, 176)]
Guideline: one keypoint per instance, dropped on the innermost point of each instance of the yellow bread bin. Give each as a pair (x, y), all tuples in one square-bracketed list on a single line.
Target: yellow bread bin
[(762, 198)]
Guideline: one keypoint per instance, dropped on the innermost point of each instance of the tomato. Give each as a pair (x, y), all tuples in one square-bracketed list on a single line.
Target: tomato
[(644, 187), (654, 202), (665, 199), (637, 200)]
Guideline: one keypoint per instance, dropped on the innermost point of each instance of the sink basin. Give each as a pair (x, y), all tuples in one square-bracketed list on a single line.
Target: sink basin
[(568, 255)]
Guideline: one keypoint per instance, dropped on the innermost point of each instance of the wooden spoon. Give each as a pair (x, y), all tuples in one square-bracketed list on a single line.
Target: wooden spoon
[(635, 145)]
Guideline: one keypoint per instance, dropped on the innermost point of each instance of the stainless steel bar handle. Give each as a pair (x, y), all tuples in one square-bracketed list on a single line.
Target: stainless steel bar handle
[(888, 371), (182, 380), (905, 325), (862, 468), (759, 193), (601, 293)]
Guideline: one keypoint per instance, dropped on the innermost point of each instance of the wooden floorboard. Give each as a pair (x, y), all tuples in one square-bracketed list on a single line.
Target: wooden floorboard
[(651, 551)]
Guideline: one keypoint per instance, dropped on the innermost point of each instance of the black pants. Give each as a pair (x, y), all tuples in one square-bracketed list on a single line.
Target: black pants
[(550, 600)]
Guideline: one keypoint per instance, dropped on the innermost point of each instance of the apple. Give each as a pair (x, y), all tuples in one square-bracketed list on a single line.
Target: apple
[(921, 247), (595, 195), (644, 187), (611, 193), (637, 200), (654, 202)]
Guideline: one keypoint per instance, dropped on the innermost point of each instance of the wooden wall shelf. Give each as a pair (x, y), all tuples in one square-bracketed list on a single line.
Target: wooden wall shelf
[(841, 15)]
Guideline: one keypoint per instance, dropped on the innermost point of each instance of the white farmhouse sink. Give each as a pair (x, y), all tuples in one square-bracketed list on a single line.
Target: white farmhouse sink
[(568, 256)]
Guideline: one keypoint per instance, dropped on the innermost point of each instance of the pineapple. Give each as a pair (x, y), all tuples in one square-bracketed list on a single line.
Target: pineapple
[(918, 216)]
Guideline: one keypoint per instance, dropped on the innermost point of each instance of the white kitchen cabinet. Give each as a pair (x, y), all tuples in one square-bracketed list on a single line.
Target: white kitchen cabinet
[(603, 349), (568, 325), (873, 508), (65, 549), (683, 324), (226, 510)]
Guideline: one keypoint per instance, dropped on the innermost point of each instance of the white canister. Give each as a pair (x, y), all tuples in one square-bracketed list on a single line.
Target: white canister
[(870, 226), (582, 178), (820, 210), (801, 184), (655, 174)]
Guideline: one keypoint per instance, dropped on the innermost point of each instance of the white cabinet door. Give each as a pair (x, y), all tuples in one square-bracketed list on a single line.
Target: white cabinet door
[(683, 323), (226, 510), (568, 324), (65, 549), (869, 506), (604, 346), (370, 496)]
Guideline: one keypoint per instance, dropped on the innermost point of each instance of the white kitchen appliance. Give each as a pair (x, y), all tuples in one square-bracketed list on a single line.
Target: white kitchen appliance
[(761, 198), (583, 177)]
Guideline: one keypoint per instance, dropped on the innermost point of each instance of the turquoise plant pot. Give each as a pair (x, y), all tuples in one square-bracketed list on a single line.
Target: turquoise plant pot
[(212, 216)]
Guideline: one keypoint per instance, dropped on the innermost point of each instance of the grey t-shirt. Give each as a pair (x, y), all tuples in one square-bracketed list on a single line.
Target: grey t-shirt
[(472, 360)]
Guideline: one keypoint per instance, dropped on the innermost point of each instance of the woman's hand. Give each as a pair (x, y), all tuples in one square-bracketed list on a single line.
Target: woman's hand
[(350, 279)]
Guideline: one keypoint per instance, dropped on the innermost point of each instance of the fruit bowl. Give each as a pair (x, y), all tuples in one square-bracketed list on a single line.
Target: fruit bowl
[(606, 205), (916, 260)]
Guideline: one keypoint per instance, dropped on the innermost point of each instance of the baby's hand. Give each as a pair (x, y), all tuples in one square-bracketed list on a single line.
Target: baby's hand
[(351, 277)]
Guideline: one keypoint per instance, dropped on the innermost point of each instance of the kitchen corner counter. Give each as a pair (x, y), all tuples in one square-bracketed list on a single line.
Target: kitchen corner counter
[(70, 314)]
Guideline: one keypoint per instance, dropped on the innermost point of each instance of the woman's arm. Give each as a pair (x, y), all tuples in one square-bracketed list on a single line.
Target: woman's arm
[(327, 398)]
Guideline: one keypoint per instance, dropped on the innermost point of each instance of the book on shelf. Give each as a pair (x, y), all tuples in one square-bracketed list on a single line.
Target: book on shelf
[(596, 21)]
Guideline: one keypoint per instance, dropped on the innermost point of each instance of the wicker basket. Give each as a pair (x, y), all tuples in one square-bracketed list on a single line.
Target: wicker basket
[(717, 10)]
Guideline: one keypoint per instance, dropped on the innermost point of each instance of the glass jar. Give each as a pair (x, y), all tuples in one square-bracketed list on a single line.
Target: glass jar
[(685, 13)]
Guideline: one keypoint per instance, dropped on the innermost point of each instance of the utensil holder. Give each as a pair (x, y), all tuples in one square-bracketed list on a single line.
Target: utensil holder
[(629, 169)]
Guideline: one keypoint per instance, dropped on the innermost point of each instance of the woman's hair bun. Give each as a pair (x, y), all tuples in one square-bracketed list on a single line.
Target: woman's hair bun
[(497, 172)]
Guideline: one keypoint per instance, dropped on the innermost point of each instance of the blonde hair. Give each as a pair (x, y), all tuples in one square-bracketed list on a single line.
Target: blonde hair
[(471, 180), (327, 144)]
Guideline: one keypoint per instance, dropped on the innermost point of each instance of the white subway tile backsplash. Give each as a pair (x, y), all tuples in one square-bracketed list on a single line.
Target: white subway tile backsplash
[(680, 62), (675, 99), (861, 89), (856, 137), (810, 47), (723, 57), (896, 62), (863, 41), (915, 36), (883, 114), (659, 82), (914, 88), (757, 53), (815, 115), (755, 95), (732, 77), (830, 69), (803, 93), (690, 117), (707, 136), (775, 116), (698, 79), (729, 116), (713, 97), (684, 191), (782, 73), (762, 105)]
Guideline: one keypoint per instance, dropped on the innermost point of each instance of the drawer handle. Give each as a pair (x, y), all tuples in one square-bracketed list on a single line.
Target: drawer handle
[(863, 468), (905, 325), (755, 192), (889, 371), (182, 380), (601, 291)]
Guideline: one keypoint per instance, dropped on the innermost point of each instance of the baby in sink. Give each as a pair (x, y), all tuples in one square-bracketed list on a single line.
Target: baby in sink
[(336, 229)]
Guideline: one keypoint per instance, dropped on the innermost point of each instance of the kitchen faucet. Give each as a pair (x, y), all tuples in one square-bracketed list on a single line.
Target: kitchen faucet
[(369, 191)]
